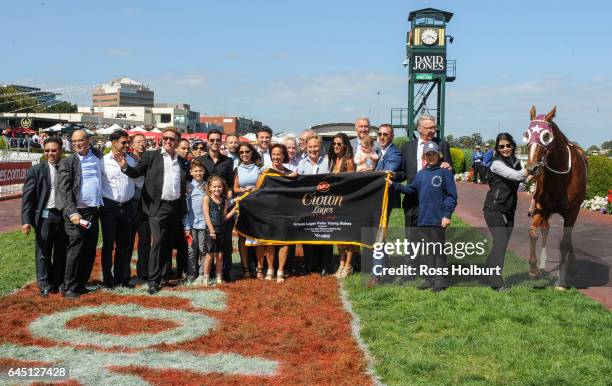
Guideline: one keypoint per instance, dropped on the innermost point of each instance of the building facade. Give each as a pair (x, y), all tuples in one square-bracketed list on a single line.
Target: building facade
[(123, 92), (229, 125)]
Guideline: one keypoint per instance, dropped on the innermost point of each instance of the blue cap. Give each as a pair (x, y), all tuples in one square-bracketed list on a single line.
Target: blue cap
[(430, 146)]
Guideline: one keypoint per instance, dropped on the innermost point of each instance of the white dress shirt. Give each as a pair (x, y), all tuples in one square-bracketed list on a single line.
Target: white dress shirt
[(116, 185), (419, 155), (265, 157), (171, 189), (53, 175)]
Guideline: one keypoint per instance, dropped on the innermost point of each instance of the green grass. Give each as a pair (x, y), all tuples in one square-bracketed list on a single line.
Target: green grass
[(477, 336), (16, 260)]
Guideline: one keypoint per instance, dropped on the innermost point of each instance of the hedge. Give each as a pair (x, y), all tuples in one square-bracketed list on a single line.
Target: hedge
[(458, 160), (399, 142), (600, 176)]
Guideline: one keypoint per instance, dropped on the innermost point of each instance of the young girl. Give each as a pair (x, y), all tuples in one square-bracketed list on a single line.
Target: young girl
[(366, 158), (215, 214)]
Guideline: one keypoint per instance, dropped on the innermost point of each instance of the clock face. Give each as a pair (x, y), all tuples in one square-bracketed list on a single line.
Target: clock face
[(429, 36)]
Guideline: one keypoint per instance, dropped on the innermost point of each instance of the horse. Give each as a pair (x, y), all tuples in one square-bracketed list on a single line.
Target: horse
[(559, 168)]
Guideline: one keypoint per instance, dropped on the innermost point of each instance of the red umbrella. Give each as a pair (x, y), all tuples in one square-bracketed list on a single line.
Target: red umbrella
[(24, 130)]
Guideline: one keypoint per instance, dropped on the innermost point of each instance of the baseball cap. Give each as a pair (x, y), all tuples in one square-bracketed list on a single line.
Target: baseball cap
[(430, 146)]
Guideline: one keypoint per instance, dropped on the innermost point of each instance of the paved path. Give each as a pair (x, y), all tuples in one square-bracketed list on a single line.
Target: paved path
[(10, 215), (591, 239)]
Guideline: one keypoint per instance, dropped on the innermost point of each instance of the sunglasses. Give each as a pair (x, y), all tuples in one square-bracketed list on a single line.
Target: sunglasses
[(214, 140), (338, 144), (124, 143), (245, 152), (508, 146), (171, 139), (198, 148), (382, 134)]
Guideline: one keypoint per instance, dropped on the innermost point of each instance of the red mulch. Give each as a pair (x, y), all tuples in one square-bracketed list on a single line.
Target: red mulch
[(301, 324)]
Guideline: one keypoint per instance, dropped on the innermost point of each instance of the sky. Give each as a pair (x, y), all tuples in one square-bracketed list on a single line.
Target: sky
[(293, 64)]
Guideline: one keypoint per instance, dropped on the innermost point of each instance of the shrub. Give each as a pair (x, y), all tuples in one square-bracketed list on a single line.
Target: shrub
[(400, 141), (467, 156), (600, 176), (458, 160)]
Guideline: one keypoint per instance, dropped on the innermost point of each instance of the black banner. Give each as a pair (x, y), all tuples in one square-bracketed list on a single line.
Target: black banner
[(316, 209), (428, 62)]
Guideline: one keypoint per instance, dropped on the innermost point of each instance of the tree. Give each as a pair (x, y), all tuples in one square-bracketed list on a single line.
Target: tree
[(476, 139), (607, 145), (62, 107), (593, 149)]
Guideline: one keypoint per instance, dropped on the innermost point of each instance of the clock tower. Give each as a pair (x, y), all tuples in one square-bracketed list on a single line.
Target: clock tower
[(428, 69)]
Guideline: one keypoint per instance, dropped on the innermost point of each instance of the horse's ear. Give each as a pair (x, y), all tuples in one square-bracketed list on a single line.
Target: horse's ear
[(551, 114), (532, 112)]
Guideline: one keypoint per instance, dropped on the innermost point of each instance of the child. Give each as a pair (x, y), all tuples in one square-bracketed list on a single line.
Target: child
[(194, 222), (215, 214), (437, 193), (366, 158)]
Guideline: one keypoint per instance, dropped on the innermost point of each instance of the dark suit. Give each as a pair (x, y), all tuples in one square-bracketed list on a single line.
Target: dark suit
[(82, 242), (164, 216), (407, 171), (48, 225)]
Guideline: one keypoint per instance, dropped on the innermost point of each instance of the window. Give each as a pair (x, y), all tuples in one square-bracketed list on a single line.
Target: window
[(179, 119), (165, 118)]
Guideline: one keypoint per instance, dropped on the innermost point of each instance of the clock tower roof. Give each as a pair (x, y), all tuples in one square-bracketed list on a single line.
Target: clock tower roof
[(431, 13)]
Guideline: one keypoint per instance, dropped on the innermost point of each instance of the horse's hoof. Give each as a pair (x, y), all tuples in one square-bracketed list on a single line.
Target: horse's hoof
[(534, 275), (560, 288)]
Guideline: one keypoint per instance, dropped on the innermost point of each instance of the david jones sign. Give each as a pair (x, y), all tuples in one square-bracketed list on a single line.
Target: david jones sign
[(427, 62)]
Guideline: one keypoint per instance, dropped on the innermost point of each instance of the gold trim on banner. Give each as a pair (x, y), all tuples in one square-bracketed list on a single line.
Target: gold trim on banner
[(382, 224)]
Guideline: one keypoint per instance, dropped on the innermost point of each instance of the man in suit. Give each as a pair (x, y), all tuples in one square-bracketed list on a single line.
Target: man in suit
[(162, 199), (412, 163), (80, 188), (38, 209), (362, 129), (389, 159)]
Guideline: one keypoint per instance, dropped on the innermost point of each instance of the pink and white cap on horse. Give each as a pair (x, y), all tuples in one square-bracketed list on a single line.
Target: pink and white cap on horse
[(539, 132)]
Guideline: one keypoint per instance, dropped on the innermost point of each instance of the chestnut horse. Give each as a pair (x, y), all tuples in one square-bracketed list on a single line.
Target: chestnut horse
[(560, 171)]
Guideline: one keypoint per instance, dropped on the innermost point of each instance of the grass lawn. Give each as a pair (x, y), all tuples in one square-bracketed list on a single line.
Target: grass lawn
[(16, 260), (476, 336)]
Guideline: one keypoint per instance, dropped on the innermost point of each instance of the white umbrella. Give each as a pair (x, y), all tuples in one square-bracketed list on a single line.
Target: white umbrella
[(114, 127), (54, 128), (156, 130), (138, 128), (105, 131)]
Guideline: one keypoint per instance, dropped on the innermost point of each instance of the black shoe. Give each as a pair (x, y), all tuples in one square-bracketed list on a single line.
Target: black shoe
[(44, 293), (427, 284), (153, 290), (324, 272), (127, 284), (71, 295), (54, 290), (190, 279), (503, 287), (439, 285)]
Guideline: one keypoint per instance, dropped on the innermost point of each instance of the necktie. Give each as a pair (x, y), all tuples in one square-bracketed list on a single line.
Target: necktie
[(423, 162)]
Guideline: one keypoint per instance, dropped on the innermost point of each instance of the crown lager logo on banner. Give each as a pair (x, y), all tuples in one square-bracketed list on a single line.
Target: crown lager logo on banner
[(26, 122)]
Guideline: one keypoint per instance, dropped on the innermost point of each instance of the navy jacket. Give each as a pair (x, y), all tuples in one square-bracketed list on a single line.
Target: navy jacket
[(36, 191), (436, 191)]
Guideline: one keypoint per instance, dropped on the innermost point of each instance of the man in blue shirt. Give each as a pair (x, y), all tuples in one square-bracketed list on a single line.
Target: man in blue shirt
[(476, 164), (80, 196), (487, 160)]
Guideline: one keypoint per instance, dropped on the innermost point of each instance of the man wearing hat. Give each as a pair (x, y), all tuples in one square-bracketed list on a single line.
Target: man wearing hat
[(477, 164), (487, 160)]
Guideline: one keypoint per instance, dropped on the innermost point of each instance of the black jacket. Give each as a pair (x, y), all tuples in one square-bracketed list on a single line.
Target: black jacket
[(408, 167), (36, 190), (151, 165), (69, 183), (502, 195)]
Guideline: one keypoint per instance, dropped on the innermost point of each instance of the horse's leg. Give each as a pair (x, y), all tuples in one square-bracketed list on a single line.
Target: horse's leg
[(544, 229), (534, 230), (568, 228)]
